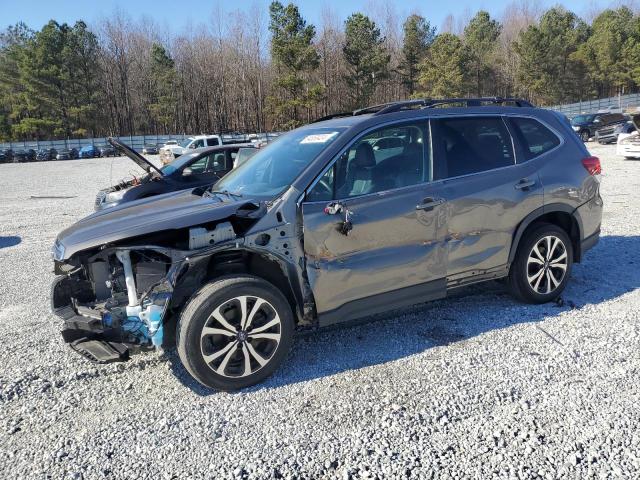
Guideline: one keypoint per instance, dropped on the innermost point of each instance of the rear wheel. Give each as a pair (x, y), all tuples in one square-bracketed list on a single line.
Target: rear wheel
[(235, 332), (542, 265), (584, 135)]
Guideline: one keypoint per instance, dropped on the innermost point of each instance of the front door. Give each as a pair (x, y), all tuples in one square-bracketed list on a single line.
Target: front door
[(374, 229)]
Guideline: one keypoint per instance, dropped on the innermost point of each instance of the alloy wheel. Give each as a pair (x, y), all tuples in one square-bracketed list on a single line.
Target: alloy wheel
[(240, 336), (547, 265)]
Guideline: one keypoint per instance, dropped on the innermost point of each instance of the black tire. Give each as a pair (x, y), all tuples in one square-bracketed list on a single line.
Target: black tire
[(584, 135), (198, 314), (521, 269)]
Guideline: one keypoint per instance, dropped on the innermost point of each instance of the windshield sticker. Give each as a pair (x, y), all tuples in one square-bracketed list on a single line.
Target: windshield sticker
[(318, 138)]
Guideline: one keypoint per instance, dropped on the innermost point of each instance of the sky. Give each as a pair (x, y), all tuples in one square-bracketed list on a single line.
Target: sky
[(181, 14)]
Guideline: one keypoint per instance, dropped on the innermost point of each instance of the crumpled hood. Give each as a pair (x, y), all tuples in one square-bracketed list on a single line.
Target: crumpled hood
[(163, 212)]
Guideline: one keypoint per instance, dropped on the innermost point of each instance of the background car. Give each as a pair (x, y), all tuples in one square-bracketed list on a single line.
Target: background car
[(586, 125), (107, 151), (6, 155), (67, 154), (629, 143), (46, 154), (150, 149), (610, 134), (24, 155), (89, 151), (199, 167)]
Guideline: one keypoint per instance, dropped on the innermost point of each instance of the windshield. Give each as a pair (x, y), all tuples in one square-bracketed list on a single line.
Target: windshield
[(179, 163), (185, 143), (582, 119), (273, 168)]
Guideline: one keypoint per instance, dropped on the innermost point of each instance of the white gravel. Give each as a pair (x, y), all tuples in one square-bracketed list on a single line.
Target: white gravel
[(475, 386)]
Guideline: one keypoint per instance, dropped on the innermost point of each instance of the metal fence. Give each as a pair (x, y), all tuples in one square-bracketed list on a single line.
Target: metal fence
[(137, 142), (623, 102)]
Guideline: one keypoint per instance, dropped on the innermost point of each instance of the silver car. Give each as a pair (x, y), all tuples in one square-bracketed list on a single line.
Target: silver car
[(320, 228)]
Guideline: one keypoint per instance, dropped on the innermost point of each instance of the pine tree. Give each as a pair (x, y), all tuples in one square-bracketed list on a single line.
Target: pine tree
[(442, 73), (418, 36), (295, 57), (367, 57), (480, 40)]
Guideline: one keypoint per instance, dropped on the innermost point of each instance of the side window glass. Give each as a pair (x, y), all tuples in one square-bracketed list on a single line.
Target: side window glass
[(474, 144), (212, 142), (198, 166), (389, 158), (218, 162), (534, 137)]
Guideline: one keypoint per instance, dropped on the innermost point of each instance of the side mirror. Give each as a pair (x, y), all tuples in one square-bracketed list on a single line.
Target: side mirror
[(193, 145), (186, 172)]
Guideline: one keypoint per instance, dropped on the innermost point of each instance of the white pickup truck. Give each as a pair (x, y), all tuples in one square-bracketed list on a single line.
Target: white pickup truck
[(174, 150)]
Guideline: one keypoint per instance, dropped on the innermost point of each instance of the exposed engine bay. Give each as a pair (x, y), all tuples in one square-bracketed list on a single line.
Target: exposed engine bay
[(119, 295)]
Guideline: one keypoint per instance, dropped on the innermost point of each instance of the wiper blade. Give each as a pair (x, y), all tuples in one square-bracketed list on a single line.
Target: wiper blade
[(225, 192)]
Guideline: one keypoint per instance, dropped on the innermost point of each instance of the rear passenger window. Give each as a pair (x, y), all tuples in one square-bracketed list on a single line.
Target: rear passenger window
[(212, 142), (534, 137), (472, 145)]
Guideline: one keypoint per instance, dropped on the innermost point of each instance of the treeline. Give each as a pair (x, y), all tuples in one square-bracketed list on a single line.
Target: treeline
[(266, 70)]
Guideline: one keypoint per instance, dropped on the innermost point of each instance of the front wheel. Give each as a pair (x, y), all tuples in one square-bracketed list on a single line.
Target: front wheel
[(235, 332), (542, 265), (584, 135)]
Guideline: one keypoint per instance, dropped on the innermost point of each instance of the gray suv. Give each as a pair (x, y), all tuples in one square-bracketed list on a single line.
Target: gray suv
[(341, 219)]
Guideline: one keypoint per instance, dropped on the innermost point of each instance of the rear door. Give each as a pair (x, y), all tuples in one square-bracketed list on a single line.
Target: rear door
[(373, 228), (488, 193)]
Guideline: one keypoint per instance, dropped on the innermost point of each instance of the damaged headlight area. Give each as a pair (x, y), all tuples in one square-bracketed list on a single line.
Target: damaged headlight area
[(115, 301)]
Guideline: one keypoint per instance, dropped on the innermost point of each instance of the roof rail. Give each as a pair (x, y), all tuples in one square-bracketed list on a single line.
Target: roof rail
[(429, 103), (437, 102)]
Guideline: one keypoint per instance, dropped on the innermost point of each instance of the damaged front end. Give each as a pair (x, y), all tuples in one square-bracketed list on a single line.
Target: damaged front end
[(115, 301)]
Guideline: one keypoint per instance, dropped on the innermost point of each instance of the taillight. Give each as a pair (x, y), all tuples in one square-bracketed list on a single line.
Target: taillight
[(592, 164)]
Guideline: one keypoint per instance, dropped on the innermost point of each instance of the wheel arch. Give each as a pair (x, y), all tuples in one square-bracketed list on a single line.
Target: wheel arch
[(204, 269), (559, 214)]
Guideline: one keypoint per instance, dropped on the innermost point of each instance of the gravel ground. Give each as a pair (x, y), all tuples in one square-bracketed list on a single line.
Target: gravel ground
[(475, 386)]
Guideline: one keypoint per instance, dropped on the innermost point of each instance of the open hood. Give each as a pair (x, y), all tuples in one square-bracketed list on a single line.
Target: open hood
[(142, 162)]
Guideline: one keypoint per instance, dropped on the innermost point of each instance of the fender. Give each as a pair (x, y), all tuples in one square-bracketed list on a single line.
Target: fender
[(539, 212)]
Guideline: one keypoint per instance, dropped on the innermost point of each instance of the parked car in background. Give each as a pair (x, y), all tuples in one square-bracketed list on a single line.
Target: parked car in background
[(586, 125), (107, 150), (46, 154), (24, 155), (89, 151), (6, 155), (150, 149), (169, 152), (628, 145), (317, 229), (610, 134), (67, 154), (197, 168)]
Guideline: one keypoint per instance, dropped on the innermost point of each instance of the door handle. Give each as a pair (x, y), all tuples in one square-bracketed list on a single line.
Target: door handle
[(524, 184), (429, 203)]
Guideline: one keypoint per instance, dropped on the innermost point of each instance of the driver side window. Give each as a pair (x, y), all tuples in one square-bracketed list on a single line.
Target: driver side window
[(386, 159)]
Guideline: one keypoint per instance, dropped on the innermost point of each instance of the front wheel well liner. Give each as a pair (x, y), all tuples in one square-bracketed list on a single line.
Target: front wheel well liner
[(237, 262)]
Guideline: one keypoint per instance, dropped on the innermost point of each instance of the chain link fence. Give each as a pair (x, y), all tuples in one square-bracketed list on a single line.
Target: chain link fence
[(629, 102), (137, 142)]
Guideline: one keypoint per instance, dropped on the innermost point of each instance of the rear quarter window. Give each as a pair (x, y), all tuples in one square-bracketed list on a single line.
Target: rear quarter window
[(534, 138)]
